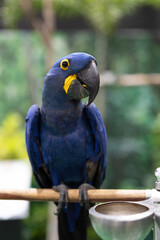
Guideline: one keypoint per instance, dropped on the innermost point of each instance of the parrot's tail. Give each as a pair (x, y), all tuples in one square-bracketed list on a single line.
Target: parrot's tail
[(80, 231)]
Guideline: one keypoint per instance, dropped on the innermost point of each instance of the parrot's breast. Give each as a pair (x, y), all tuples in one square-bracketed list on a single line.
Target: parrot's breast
[(65, 155)]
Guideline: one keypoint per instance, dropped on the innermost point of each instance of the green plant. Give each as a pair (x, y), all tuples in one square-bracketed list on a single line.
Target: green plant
[(12, 142)]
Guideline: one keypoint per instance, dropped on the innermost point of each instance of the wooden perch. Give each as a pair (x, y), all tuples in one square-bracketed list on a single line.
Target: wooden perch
[(97, 195)]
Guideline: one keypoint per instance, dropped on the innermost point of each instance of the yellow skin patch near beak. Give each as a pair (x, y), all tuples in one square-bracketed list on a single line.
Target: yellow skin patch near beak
[(68, 82)]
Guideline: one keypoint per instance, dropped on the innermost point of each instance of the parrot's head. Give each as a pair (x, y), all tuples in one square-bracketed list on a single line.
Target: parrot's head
[(75, 76)]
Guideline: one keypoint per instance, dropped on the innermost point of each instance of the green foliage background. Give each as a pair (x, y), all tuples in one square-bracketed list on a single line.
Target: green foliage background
[(102, 14), (131, 114)]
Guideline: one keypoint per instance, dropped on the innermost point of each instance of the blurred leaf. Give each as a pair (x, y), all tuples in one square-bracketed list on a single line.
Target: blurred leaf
[(12, 142), (92, 234), (11, 6)]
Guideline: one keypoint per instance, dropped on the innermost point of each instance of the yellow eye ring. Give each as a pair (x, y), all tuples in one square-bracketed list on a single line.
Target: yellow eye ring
[(64, 64)]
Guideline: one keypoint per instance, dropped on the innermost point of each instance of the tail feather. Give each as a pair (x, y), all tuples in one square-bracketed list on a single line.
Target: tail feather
[(80, 231)]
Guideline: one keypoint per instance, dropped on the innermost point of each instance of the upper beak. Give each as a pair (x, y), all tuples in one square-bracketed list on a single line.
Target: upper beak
[(89, 77)]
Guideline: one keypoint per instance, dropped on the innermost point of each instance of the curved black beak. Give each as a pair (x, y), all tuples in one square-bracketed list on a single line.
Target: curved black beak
[(89, 78)]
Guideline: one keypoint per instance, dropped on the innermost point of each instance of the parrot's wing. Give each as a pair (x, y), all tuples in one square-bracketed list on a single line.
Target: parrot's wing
[(32, 137), (96, 167)]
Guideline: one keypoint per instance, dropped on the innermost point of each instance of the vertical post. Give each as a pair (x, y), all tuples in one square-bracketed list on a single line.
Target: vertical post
[(156, 229), (52, 228), (101, 51), (157, 208)]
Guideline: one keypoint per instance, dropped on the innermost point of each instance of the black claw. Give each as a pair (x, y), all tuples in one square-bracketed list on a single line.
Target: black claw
[(83, 194), (63, 190)]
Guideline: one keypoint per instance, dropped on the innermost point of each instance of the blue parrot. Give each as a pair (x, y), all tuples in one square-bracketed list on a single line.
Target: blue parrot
[(66, 140)]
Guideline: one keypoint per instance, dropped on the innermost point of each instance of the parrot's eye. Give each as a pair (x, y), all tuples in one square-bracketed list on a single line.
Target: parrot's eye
[(64, 64)]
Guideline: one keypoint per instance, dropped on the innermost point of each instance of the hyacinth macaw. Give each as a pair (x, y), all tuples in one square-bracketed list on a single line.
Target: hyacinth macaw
[(66, 140)]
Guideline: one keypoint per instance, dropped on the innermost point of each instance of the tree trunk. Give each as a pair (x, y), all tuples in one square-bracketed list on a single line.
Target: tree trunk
[(45, 26)]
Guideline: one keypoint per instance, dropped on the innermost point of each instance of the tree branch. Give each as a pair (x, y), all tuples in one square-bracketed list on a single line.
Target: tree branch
[(45, 27), (28, 10), (48, 15), (137, 79)]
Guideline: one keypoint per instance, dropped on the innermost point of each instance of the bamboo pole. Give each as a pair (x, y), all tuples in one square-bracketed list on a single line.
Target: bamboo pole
[(95, 195)]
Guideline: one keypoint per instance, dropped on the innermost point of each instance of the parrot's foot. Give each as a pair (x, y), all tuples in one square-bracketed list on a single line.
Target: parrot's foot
[(83, 194), (63, 190)]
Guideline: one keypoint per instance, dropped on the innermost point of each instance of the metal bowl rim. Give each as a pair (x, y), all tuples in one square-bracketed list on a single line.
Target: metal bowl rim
[(117, 218)]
